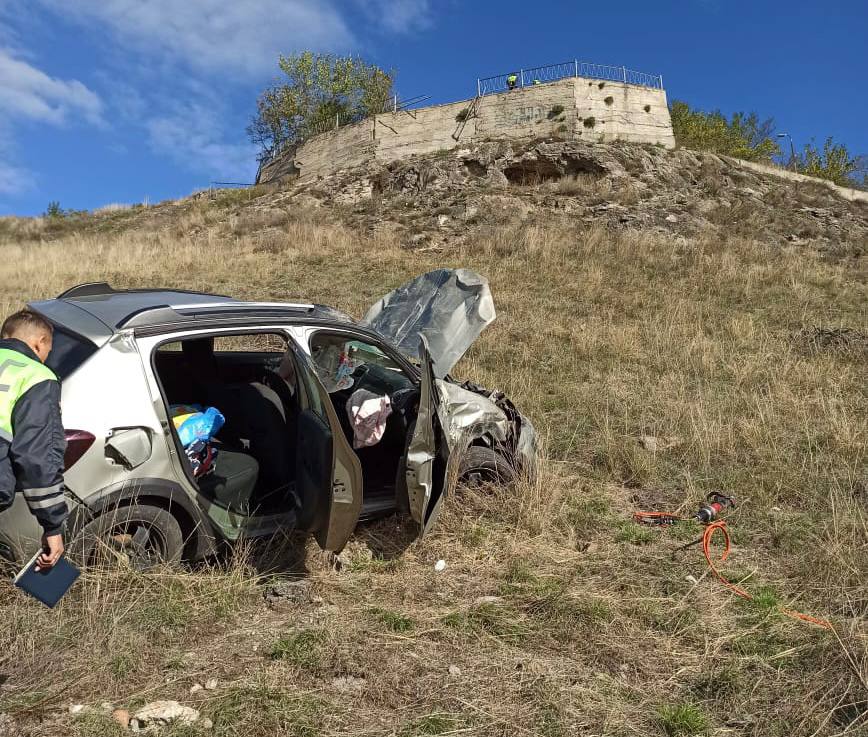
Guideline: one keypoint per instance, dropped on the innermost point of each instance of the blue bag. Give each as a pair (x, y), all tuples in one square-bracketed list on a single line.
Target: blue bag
[(201, 426)]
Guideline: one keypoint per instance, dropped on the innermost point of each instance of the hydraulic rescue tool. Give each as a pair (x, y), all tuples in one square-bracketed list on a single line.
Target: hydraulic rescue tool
[(708, 515)]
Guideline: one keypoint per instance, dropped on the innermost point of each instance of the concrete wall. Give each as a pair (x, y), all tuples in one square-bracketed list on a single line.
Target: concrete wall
[(338, 149), (576, 107), (612, 111), (853, 195), (420, 131)]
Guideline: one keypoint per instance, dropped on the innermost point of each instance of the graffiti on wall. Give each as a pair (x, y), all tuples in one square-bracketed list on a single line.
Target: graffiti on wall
[(525, 115)]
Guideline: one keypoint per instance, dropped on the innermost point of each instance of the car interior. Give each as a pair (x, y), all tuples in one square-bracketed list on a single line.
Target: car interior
[(365, 366), (255, 466), (257, 448)]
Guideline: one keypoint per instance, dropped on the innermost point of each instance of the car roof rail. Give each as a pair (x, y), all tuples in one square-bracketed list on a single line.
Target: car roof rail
[(101, 288), (167, 314), (88, 289)]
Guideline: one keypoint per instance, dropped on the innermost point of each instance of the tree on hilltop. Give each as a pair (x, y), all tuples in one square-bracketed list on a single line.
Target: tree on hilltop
[(315, 91), (744, 136), (835, 163)]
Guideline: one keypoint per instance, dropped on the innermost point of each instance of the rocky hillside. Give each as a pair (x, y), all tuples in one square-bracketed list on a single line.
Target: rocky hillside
[(431, 200), (447, 199)]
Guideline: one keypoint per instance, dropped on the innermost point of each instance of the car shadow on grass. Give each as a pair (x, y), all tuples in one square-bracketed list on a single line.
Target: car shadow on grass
[(282, 554), (387, 538)]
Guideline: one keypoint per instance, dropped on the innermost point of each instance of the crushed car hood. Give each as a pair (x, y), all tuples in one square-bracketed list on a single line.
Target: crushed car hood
[(450, 307)]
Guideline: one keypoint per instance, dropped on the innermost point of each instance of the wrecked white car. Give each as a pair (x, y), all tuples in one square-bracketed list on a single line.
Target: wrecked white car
[(194, 418)]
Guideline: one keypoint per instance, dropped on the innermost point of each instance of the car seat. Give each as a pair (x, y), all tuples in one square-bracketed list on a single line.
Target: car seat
[(255, 416), (233, 481)]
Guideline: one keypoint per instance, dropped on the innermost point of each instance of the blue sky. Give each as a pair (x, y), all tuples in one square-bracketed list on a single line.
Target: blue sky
[(105, 101)]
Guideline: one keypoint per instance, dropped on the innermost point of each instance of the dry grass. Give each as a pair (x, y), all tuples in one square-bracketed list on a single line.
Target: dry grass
[(595, 628)]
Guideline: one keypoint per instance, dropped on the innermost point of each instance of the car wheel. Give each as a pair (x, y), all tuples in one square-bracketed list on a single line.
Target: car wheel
[(140, 535), (480, 465)]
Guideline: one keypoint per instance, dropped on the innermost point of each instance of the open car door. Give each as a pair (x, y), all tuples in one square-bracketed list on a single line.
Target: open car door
[(427, 454), (328, 472)]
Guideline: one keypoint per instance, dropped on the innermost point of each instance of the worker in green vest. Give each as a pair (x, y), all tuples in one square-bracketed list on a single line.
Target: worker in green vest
[(32, 441), (512, 80)]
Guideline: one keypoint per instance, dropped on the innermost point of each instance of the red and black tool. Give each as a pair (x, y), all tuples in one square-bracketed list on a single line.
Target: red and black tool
[(708, 511), (714, 504)]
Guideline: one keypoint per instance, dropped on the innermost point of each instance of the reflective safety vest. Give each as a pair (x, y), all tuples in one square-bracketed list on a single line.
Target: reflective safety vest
[(512, 78), (18, 374)]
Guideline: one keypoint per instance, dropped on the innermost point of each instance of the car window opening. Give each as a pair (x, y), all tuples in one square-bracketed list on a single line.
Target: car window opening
[(248, 466), (68, 352)]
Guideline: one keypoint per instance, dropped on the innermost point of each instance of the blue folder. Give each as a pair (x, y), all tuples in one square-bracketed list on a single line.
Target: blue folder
[(49, 585)]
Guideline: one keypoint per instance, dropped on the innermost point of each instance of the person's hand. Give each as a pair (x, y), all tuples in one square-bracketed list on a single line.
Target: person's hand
[(52, 549)]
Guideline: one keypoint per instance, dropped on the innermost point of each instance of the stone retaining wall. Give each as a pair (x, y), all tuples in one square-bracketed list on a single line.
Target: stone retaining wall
[(569, 108)]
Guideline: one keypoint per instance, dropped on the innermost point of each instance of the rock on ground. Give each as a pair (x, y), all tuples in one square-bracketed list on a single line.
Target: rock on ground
[(161, 714)]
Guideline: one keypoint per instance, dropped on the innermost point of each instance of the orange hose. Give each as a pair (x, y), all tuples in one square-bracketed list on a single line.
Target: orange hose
[(707, 538)]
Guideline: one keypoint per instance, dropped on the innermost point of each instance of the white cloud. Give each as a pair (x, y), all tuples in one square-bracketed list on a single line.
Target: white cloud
[(14, 180), (169, 71), (399, 16), (242, 37), (192, 135), (28, 92)]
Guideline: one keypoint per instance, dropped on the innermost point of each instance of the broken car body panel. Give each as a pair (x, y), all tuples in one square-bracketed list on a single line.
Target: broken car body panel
[(450, 307), (426, 456), (465, 415), (471, 414)]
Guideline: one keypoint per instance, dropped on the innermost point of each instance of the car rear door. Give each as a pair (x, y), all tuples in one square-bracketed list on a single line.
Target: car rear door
[(427, 453), (328, 472)]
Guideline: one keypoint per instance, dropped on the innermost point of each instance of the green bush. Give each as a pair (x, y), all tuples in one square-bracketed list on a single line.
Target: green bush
[(743, 136), (835, 163)]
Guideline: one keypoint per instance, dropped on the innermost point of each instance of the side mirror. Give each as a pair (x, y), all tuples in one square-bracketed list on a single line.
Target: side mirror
[(129, 447)]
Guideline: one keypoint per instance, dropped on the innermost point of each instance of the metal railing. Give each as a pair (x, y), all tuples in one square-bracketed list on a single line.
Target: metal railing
[(565, 70)]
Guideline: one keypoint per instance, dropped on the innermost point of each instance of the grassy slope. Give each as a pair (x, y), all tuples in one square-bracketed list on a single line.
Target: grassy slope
[(602, 338)]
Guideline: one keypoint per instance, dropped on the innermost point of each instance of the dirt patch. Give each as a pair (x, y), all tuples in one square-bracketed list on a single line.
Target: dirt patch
[(843, 341)]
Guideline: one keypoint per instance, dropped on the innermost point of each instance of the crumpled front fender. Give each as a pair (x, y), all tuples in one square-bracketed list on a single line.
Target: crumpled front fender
[(466, 415), (468, 412)]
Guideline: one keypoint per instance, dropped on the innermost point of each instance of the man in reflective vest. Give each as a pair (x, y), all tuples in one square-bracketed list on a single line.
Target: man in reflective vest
[(32, 441), (512, 81)]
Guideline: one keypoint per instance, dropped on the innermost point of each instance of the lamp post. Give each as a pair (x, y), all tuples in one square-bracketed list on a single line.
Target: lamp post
[(792, 164)]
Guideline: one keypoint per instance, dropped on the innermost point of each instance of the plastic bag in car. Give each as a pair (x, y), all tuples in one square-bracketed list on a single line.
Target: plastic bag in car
[(200, 426)]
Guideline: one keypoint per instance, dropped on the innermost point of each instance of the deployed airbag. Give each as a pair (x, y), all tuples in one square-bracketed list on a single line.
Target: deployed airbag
[(368, 413)]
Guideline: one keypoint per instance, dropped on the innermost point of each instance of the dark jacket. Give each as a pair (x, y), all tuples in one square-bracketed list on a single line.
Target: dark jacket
[(31, 462)]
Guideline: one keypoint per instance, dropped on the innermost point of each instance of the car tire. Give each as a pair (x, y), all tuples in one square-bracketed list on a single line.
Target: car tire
[(480, 465), (142, 535)]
